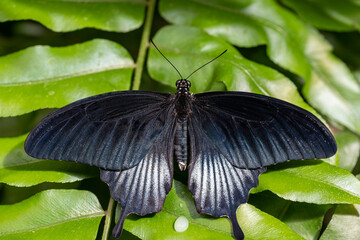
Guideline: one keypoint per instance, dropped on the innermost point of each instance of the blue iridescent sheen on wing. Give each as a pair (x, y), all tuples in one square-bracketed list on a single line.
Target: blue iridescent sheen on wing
[(217, 186), (143, 188)]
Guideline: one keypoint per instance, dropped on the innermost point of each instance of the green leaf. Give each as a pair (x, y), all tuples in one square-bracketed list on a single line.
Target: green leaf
[(11, 194), (344, 224), (196, 47), (52, 214), (246, 24), (19, 169), (179, 202), (349, 149), (346, 47), (290, 43), (330, 15), (333, 90), (311, 181), (260, 225), (63, 15), (304, 218), (55, 76)]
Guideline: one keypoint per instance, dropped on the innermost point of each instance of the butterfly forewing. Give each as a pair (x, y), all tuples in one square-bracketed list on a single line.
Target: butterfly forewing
[(253, 131), (112, 131)]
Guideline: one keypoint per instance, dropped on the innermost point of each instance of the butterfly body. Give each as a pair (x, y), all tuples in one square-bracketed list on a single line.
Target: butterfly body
[(183, 101)]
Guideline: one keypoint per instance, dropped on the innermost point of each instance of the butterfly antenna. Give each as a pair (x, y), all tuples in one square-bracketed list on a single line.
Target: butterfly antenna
[(166, 58), (205, 64)]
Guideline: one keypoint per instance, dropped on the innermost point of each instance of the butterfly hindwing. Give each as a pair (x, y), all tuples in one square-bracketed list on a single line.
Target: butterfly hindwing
[(143, 188), (252, 130), (217, 186), (112, 131)]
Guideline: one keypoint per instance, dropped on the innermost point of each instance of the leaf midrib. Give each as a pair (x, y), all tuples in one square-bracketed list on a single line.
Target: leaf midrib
[(22, 163), (68, 76)]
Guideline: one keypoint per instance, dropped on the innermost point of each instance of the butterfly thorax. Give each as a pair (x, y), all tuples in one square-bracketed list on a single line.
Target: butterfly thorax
[(183, 98)]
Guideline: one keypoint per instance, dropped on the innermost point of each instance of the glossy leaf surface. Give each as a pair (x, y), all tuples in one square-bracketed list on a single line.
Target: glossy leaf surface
[(266, 225), (345, 223), (304, 218), (52, 214), (19, 169), (311, 181), (62, 15), (55, 76), (349, 149), (328, 14)]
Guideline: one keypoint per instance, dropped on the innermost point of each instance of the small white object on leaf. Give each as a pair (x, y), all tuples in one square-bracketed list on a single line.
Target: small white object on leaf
[(181, 224)]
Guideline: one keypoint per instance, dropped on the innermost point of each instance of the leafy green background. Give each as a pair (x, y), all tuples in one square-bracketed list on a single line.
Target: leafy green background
[(55, 52)]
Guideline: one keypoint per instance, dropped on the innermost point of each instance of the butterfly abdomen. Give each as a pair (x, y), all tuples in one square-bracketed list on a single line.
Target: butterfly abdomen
[(180, 144)]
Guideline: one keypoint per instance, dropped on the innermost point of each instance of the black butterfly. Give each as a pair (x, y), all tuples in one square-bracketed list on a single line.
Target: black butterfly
[(133, 135)]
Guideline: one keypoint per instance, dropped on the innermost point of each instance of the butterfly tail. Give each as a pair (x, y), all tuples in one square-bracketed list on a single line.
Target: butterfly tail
[(119, 225), (238, 233)]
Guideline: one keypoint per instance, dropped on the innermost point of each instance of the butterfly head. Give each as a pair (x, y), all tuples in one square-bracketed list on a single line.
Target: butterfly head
[(183, 86)]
